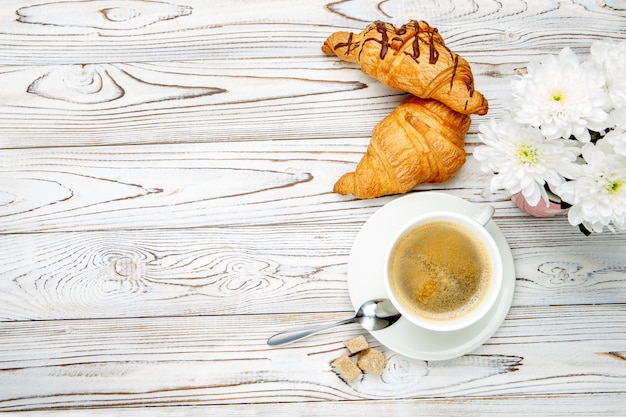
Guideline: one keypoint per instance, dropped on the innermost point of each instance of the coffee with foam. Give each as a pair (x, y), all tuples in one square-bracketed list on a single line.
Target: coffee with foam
[(439, 270)]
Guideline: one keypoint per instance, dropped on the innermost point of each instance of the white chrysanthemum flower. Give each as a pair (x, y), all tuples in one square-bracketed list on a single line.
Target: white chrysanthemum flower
[(611, 57), (523, 160), (617, 136), (562, 97), (598, 196), (619, 117)]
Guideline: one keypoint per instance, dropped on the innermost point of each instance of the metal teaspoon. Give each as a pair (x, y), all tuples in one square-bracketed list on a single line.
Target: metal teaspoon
[(372, 315)]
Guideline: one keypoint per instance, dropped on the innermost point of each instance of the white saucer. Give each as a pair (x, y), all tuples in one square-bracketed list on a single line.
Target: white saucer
[(365, 280)]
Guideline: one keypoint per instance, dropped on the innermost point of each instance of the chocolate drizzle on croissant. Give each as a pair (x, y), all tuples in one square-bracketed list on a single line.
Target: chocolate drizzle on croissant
[(395, 57), (383, 29)]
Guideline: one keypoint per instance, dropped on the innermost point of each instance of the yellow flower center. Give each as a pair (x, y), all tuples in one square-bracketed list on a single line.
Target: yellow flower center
[(558, 97), (527, 154), (614, 187)]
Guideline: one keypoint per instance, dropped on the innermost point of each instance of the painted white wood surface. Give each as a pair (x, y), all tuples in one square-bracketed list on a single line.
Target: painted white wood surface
[(166, 204)]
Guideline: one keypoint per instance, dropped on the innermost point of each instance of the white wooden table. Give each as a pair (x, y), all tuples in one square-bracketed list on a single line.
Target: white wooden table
[(166, 205)]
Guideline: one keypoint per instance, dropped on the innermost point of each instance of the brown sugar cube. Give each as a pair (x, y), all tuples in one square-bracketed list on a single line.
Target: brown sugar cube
[(357, 344), (371, 360), (346, 367)]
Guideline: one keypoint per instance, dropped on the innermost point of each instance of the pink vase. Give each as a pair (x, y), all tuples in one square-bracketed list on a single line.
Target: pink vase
[(541, 209)]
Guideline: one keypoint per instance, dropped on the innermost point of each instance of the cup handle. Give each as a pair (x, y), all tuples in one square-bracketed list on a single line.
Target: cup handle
[(485, 214)]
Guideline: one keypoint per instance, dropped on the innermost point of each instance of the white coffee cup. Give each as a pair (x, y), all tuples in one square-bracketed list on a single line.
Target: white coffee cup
[(483, 243)]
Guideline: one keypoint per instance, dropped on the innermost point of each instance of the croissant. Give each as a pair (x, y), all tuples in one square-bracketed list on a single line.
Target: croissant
[(421, 141), (412, 58)]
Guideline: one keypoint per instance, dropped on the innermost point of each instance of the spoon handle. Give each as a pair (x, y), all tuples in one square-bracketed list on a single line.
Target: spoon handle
[(293, 335)]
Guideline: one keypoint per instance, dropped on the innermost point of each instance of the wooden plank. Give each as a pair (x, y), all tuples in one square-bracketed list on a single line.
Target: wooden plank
[(200, 185), (185, 186), (582, 405), (249, 270), (206, 30), (108, 104), (223, 359)]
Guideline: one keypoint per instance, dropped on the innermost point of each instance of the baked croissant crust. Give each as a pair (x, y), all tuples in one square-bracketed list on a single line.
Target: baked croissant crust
[(421, 141), (412, 58)]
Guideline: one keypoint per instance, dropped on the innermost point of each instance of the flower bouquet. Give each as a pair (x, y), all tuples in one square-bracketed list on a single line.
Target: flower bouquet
[(562, 138)]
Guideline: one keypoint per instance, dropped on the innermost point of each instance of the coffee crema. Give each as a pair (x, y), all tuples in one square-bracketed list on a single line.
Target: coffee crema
[(439, 270)]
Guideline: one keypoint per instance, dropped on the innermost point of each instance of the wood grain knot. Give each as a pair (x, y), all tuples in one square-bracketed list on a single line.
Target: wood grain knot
[(120, 14), (403, 371), (563, 273), (83, 84), (244, 274), (510, 36), (96, 84), (125, 267)]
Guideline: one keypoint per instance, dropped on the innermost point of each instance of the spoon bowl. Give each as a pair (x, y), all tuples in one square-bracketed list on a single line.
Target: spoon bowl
[(374, 314)]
